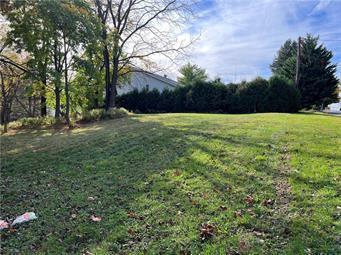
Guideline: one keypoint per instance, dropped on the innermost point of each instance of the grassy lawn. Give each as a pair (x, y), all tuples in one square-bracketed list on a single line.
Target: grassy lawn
[(266, 184)]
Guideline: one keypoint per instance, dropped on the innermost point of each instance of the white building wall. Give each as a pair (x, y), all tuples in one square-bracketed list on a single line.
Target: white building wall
[(141, 80), (335, 107)]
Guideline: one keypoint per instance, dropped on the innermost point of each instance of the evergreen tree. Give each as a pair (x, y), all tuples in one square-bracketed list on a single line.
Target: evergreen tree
[(284, 63), (191, 74), (317, 81)]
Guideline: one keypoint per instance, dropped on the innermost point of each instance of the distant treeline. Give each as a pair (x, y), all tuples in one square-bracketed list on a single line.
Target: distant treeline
[(276, 95)]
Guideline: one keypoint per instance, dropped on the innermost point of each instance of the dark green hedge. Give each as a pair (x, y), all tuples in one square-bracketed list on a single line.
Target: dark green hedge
[(259, 95)]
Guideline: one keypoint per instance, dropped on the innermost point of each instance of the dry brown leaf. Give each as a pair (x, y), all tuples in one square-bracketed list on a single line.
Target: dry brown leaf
[(223, 207), (207, 230), (243, 246), (249, 199), (135, 216), (177, 172), (268, 202), (238, 214)]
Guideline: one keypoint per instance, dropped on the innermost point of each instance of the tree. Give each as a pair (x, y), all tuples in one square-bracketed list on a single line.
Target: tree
[(252, 95), (89, 81), (101, 11), (72, 24), (317, 82), (191, 74), (10, 81), (282, 96), (53, 32), (138, 30), (284, 63), (30, 33)]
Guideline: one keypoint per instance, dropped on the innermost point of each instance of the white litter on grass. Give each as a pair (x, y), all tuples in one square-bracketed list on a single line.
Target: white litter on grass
[(3, 224), (95, 218), (24, 218)]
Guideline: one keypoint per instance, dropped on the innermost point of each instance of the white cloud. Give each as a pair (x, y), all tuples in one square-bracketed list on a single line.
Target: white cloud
[(239, 39), (321, 5)]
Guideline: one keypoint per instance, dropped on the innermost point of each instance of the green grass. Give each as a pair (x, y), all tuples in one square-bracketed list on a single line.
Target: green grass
[(157, 178)]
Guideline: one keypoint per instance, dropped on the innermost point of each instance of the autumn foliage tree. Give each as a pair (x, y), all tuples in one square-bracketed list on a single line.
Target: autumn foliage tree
[(133, 31)]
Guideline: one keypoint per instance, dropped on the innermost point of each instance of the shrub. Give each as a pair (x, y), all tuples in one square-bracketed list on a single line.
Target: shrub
[(116, 113), (166, 101), (252, 96), (98, 114), (205, 97), (180, 98), (93, 115), (282, 96), (33, 122), (258, 95)]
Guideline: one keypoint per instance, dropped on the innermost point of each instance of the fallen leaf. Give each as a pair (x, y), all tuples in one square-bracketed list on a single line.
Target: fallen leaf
[(249, 199), (194, 202), (177, 172), (243, 246), (238, 214), (205, 195), (223, 207), (268, 202), (131, 232), (257, 233), (95, 218), (12, 230), (251, 212), (135, 216), (207, 230)]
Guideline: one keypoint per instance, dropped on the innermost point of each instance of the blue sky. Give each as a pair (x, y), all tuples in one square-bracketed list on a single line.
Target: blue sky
[(239, 38)]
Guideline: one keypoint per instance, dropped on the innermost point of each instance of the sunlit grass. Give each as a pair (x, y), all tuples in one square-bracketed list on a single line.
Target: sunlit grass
[(156, 178)]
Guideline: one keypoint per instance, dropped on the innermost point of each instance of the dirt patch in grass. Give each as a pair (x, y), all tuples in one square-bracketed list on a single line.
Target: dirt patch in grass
[(283, 188)]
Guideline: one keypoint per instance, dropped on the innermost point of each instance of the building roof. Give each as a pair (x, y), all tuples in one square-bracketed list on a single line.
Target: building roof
[(161, 78)]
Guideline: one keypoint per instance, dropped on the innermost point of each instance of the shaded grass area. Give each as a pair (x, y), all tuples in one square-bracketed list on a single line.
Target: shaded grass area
[(154, 179)]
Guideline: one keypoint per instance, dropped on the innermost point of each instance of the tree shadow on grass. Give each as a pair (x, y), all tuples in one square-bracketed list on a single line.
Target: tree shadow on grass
[(152, 184)]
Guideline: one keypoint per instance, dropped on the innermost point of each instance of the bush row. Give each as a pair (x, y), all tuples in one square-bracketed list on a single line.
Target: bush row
[(98, 114), (259, 95), (49, 121)]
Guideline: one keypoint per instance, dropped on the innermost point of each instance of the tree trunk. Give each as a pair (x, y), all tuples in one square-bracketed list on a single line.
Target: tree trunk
[(67, 107), (113, 86), (96, 103), (5, 113), (58, 67), (7, 118), (5, 127), (34, 106), (43, 109), (57, 111), (2, 115), (102, 15), (107, 77)]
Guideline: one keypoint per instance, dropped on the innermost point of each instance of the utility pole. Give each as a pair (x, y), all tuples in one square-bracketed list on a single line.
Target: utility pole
[(298, 62)]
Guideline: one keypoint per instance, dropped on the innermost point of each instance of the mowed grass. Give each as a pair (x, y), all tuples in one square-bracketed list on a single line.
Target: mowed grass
[(154, 179)]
